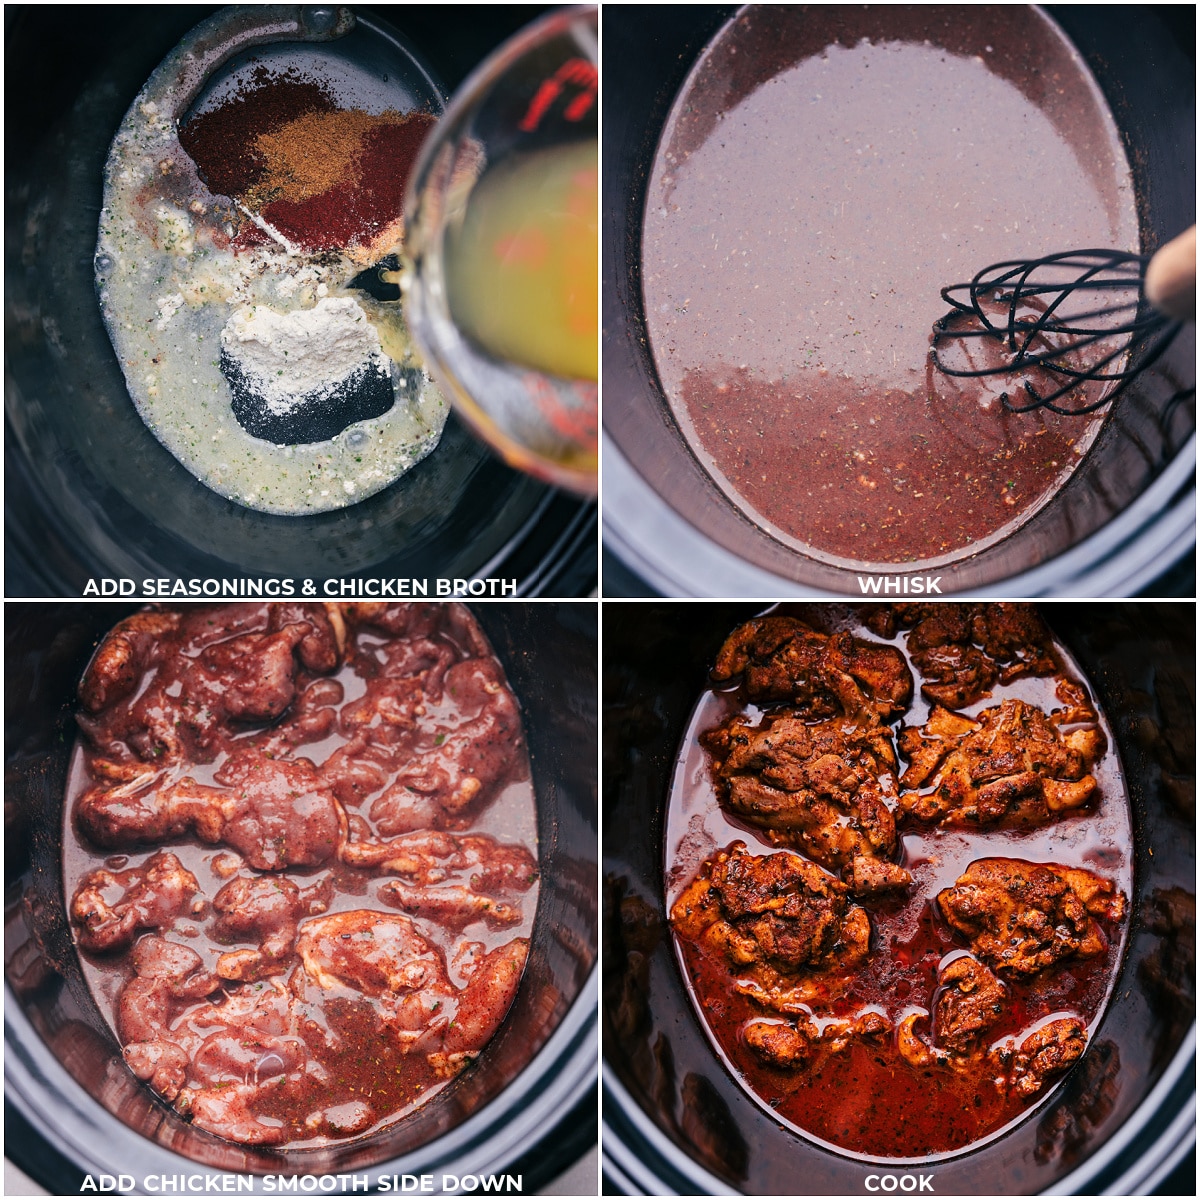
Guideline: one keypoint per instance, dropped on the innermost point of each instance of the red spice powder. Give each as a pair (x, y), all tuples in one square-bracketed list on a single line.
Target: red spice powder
[(354, 213)]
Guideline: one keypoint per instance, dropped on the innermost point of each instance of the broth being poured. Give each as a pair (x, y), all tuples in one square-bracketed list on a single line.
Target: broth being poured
[(824, 172), (899, 910)]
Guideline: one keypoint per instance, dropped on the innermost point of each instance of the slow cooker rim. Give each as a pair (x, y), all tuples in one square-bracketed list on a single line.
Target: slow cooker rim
[(557, 1078), (1143, 551), (1131, 1181), (640, 1164)]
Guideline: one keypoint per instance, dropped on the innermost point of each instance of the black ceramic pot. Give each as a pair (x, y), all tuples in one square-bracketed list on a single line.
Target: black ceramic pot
[(527, 1106), (675, 1121), (89, 490), (1124, 517)]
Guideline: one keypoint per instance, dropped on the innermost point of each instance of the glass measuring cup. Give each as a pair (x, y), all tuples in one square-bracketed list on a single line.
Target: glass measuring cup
[(501, 263)]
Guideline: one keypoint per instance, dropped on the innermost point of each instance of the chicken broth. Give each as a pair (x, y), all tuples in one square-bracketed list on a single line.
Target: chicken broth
[(293, 963), (850, 1082), (824, 172)]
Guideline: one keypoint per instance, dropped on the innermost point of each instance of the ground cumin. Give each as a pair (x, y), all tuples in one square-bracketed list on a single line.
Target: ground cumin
[(314, 153)]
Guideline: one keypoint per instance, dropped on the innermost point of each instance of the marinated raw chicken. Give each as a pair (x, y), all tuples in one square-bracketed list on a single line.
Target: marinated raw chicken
[(264, 910), (782, 659), (196, 679), (382, 956), (151, 897), (1012, 763), (168, 977), (465, 763), (785, 927), (275, 812), (817, 787), (265, 1017), (429, 859), (1023, 917)]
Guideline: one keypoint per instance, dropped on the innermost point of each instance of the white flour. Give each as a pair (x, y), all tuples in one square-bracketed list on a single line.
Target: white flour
[(290, 356)]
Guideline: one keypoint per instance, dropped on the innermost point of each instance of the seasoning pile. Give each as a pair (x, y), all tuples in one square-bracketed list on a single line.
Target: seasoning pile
[(324, 177)]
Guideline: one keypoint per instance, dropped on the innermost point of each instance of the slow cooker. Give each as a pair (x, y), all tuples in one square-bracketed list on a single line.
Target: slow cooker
[(676, 1122), (527, 1107), (90, 492), (1122, 520)]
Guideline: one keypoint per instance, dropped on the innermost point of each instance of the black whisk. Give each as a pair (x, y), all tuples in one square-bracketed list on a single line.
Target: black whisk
[(1069, 319)]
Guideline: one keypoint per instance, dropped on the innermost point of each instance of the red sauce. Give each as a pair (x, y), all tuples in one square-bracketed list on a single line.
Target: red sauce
[(823, 174), (867, 1100)]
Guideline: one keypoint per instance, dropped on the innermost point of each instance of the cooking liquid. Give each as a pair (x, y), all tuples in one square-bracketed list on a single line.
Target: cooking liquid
[(523, 267), (370, 1067), (867, 1100), (824, 172)]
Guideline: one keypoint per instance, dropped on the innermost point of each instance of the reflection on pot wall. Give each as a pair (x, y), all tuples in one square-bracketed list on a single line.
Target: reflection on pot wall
[(546, 1047), (685, 1108)]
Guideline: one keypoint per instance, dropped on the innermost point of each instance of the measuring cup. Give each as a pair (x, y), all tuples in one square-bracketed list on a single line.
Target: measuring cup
[(501, 265)]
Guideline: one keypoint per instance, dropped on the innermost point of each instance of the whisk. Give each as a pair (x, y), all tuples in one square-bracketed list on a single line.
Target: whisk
[(1069, 319)]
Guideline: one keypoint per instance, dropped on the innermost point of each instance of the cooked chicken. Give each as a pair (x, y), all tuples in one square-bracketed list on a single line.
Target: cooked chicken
[(784, 925), (1047, 1053), (264, 910), (962, 649), (150, 896), (781, 658), (1023, 917), (782, 1043), (955, 675), (868, 877), (818, 787), (969, 1003), (1024, 1067), (1016, 637), (275, 812), (795, 1043), (1011, 763)]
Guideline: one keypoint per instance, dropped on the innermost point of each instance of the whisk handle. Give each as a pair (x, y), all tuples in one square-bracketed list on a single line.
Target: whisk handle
[(1171, 277)]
